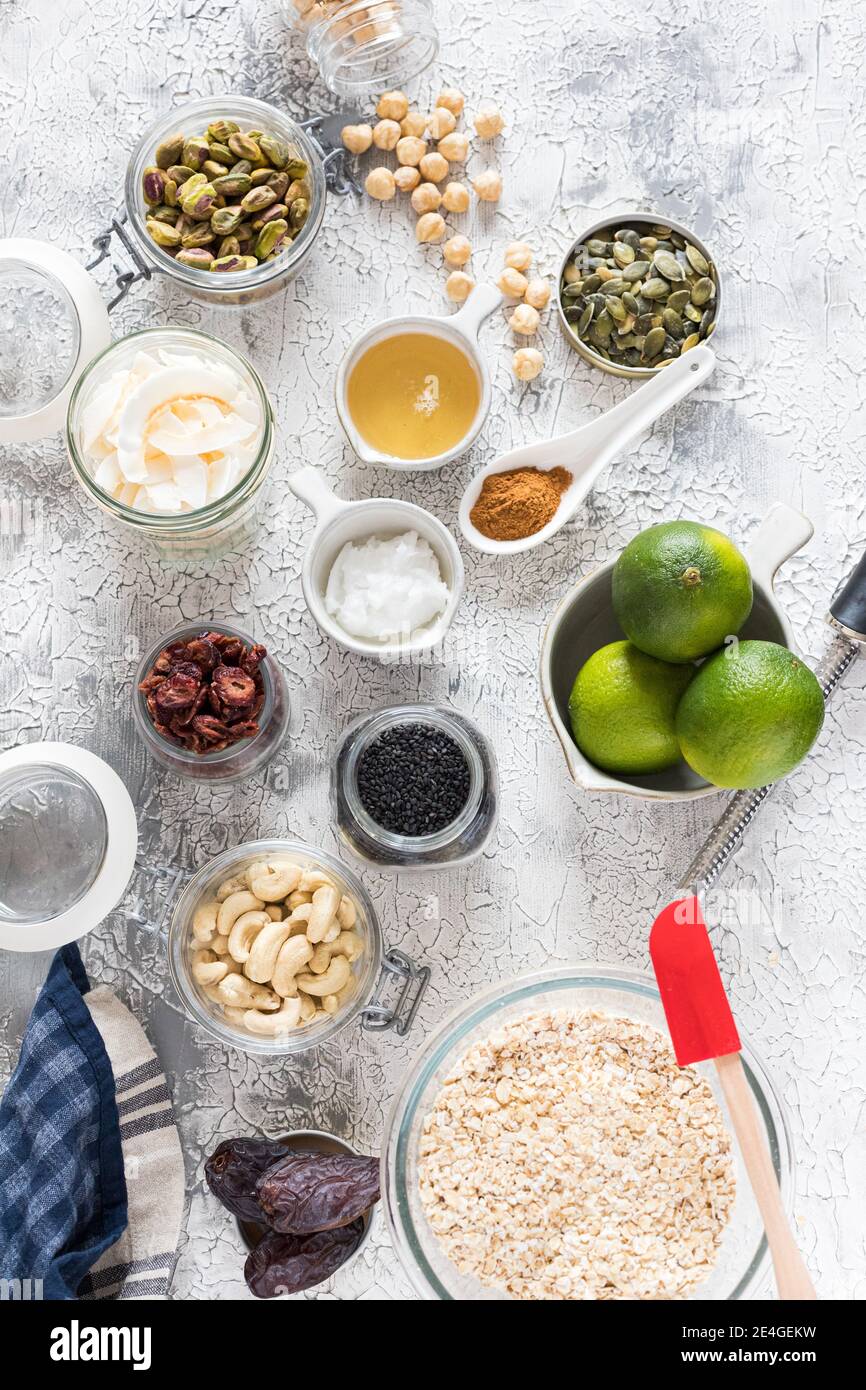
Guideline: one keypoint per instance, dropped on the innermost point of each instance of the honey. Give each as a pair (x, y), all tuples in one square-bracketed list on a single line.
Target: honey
[(413, 395)]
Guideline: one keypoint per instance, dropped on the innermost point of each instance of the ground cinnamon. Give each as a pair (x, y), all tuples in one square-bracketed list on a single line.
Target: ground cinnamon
[(518, 503)]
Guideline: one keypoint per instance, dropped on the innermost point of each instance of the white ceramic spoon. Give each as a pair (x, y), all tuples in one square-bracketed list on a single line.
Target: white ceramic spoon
[(587, 451)]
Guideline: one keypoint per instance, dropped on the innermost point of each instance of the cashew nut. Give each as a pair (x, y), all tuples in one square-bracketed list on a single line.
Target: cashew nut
[(334, 978), (220, 945), (229, 886), (346, 913), (293, 956), (308, 1008), (209, 972), (275, 912), (241, 993), (235, 1016), (273, 881), (233, 907), (326, 900), (320, 959), (264, 951), (311, 879), (244, 933), (330, 1003), (297, 899), (272, 1025), (348, 944), (205, 920), (332, 932)]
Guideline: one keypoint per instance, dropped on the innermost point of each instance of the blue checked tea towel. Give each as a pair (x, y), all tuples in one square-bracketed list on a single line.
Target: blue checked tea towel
[(91, 1172)]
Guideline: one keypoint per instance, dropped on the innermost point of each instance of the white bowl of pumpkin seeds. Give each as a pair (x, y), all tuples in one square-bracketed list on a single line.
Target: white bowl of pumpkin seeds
[(636, 292)]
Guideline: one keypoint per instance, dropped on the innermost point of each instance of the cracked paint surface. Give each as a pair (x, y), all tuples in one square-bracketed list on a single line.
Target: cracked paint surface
[(744, 123)]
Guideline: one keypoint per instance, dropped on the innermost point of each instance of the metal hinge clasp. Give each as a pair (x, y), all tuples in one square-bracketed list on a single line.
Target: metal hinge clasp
[(399, 972)]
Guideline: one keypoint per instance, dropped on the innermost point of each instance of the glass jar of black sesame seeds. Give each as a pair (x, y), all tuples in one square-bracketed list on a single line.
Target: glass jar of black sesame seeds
[(414, 787)]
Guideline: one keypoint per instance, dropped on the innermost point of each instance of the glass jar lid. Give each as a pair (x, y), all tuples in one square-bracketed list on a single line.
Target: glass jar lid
[(68, 838), (52, 322)]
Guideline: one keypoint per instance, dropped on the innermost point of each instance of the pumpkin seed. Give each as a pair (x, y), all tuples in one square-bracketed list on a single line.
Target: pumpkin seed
[(636, 271), (654, 342), (585, 320), (655, 289), (703, 291), (667, 265), (696, 260), (691, 311), (678, 300), (688, 343), (623, 254), (673, 323)]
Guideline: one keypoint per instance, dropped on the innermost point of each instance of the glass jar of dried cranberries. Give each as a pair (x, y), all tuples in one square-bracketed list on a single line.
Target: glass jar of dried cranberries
[(210, 703)]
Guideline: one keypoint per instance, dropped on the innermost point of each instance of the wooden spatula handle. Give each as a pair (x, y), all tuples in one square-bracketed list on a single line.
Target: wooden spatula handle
[(792, 1277)]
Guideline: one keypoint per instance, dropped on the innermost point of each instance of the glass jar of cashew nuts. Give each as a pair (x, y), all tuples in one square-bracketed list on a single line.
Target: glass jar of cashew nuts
[(275, 946)]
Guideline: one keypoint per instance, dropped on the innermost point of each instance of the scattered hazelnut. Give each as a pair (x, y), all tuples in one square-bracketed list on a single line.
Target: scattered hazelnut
[(431, 227), (454, 146), (380, 184), (442, 122), (457, 250), (518, 255), (512, 283), (524, 320), (411, 149), (537, 293), (434, 167), (488, 186), (488, 121), (527, 363), (456, 197), (393, 105), (406, 178), (459, 286), (357, 138), (414, 123), (451, 99), (426, 198), (385, 135)]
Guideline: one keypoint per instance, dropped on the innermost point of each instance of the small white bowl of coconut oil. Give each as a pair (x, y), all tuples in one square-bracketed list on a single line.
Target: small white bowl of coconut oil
[(388, 569)]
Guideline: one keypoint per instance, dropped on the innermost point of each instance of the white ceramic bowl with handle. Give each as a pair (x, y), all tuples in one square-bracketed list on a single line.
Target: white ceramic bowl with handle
[(585, 621), (460, 329), (338, 523)]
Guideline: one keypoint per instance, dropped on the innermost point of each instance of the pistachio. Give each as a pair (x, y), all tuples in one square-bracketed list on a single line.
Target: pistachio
[(244, 147), (180, 173), (260, 176), (165, 214), (268, 237), (229, 246), (195, 152), (276, 210), (638, 299), (199, 234), (227, 220), (213, 169), (299, 212), (221, 130), (169, 193), (200, 203), (222, 154), (164, 234), (242, 166), (195, 256), (232, 185), (258, 199), (297, 168), (153, 182), (234, 263), (275, 151), (168, 151), (279, 182)]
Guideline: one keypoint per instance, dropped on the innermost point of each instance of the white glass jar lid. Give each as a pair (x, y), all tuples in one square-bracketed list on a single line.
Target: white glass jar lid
[(52, 323), (68, 838)]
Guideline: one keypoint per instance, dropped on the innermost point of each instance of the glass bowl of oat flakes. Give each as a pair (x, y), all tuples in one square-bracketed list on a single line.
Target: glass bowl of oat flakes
[(545, 1146)]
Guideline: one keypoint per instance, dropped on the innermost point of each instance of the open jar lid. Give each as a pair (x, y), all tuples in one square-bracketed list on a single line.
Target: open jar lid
[(52, 323), (68, 838)]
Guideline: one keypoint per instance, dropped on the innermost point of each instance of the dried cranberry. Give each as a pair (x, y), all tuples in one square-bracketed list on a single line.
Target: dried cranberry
[(252, 659), (210, 729), (178, 692), (233, 686), (187, 668), (202, 652), (150, 683)]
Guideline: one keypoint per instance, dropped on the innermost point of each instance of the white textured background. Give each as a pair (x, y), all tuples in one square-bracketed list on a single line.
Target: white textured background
[(746, 121)]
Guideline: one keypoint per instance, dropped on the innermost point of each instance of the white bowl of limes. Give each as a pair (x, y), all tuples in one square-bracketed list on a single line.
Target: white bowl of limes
[(616, 753)]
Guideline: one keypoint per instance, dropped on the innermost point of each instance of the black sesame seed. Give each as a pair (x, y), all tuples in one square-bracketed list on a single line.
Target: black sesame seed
[(413, 779)]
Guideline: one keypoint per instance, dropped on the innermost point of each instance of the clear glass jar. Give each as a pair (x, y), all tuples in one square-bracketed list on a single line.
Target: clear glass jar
[(240, 760), (743, 1263), (457, 843), (225, 524), (374, 971), (237, 287), (365, 47)]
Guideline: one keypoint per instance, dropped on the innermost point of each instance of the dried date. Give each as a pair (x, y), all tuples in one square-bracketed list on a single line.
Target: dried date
[(235, 1167), (206, 694), (308, 1192), (282, 1264)]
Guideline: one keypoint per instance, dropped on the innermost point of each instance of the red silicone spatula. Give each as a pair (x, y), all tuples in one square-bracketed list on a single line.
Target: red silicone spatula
[(701, 1027)]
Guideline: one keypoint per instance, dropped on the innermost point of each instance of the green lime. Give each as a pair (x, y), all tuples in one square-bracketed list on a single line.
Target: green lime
[(679, 589), (750, 715), (623, 706)]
